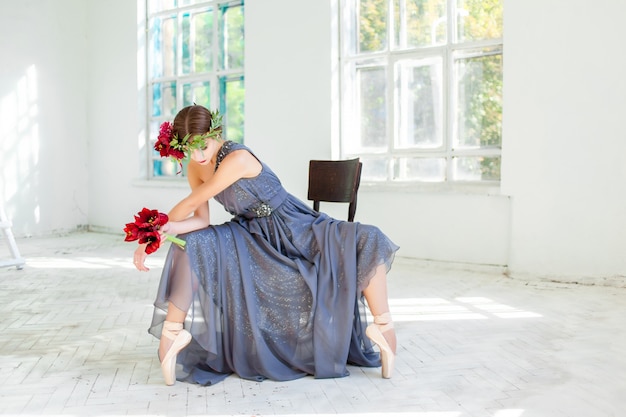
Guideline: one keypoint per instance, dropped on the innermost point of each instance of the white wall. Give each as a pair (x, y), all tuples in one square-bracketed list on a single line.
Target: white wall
[(564, 136), (117, 115), (288, 78), (43, 123), (560, 210)]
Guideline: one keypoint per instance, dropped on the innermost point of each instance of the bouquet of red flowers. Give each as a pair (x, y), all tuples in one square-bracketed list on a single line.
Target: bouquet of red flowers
[(146, 227)]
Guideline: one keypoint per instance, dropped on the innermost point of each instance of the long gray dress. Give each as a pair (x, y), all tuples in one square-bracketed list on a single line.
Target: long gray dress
[(276, 291)]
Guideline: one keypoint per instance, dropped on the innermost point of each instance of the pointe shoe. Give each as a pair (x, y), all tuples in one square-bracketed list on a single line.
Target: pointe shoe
[(375, 332), (180, 339)]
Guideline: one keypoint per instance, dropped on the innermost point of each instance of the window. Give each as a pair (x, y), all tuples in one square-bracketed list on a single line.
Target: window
[(195, 55), (422, 89)]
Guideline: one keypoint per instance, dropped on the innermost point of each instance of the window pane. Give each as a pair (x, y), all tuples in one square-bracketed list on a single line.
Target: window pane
[(186, 51), (202, 41), (372, 93), (164, 99), (231, 32), (420, 95), (198, 93), (232, 104), (372, 25), (420, 23), (163, 47), (166, 167), (479, 101), (476, 168), (479, 19), (420, 169), (421, 88), (374, 169), (188, 2), (197, 30), (158, 5)]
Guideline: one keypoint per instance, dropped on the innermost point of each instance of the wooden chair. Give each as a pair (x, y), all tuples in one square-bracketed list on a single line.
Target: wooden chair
[(335, 181)]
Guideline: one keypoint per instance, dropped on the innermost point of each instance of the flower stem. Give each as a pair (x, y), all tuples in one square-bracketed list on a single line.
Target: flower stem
[(175, 240)]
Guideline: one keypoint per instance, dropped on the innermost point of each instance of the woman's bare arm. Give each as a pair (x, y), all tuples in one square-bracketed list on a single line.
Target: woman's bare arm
[(238, 164), (201, 215)]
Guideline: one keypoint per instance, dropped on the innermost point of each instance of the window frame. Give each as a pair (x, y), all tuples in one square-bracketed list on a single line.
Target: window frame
[(217, 76), (390, 57)]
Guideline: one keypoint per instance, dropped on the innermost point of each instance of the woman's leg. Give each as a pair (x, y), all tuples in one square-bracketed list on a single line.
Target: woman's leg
[(376, 297), (174, 315), (174, 337)]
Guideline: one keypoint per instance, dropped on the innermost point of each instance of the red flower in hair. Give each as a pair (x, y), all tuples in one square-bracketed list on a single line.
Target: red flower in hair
[(167, 144)]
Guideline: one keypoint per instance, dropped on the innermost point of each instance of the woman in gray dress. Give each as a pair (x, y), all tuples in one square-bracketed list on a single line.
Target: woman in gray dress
[(278, 291)]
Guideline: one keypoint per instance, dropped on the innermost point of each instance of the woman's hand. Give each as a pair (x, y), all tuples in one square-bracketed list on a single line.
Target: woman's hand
[(169, 228), (139, 258), (196, 222)]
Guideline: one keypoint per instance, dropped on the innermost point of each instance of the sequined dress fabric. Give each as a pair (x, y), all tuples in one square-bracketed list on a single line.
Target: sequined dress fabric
[(276, 291)]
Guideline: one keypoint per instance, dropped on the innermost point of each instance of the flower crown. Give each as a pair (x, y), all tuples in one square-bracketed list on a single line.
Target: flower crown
[(168, 143)]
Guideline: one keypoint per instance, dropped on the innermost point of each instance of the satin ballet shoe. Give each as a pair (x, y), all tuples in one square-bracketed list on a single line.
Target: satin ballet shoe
[(375, 332), (180, 339)]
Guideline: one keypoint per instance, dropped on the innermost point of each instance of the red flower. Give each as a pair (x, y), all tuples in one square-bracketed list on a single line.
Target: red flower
[(166, 131), (176, 153), (132, 232), (167, 144), (150, 219), (166, 135), (146, 227), (153, 239)]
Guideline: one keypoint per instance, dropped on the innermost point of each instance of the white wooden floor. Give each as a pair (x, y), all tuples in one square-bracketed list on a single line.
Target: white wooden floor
[(74, 341)]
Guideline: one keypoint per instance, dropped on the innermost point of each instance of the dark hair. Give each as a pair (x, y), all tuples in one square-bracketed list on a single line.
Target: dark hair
[(193, 120)]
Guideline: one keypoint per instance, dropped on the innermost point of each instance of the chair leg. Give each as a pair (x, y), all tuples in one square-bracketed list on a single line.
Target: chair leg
[(5, 225)]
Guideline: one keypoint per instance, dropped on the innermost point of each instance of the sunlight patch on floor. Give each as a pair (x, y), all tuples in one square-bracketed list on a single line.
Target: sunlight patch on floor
[(76, 263), (88, 263), (461, 308)]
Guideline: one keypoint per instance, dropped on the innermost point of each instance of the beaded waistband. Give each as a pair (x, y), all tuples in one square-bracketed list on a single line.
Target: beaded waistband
[(265, 209), (262, 210)]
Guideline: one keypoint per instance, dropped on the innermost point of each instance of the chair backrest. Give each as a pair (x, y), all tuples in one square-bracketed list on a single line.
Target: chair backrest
[(335, 181)]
